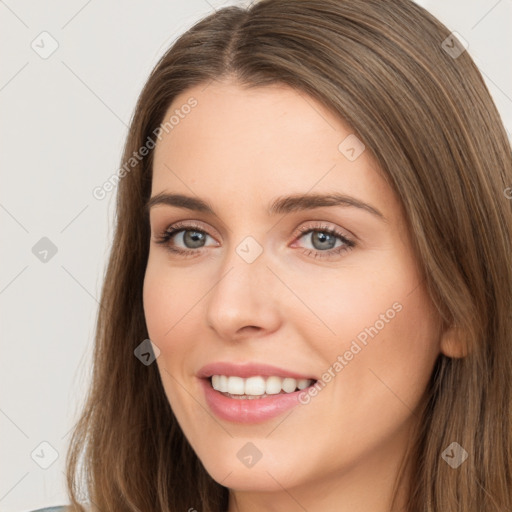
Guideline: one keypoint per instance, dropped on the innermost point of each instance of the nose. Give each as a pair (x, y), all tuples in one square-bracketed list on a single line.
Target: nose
[(243, 301)]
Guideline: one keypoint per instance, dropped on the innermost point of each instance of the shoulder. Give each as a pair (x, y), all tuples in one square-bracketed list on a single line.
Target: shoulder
[(61, 508)]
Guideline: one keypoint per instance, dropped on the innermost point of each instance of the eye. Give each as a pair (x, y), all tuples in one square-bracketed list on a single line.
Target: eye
[(324, 241), (190, 235)]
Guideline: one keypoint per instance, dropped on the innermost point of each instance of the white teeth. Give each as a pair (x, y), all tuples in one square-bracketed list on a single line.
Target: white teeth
[(289, 385), (236, 385), (223, 383), (220, 382), (303, 383), (257, 385), (273, 386)]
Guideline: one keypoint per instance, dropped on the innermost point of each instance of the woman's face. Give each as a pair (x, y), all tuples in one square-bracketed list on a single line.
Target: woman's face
[(281, 280)]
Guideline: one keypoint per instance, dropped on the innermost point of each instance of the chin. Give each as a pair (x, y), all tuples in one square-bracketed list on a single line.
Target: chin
[(260, 478)]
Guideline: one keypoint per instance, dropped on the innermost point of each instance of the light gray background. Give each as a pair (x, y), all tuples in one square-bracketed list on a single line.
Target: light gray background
[(64, 121)]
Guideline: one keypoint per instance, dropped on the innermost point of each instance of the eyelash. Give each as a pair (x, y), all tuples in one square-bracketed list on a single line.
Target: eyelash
[(166, 236)]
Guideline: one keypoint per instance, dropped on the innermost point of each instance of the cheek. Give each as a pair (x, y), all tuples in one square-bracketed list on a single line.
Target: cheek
[(168, 301), (158, 304), (360, 303), (382, 339), (168, 297), (409, 345), (388, 358)]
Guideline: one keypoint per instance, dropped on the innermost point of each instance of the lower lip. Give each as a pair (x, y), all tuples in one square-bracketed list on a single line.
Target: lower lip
[(255, 410)]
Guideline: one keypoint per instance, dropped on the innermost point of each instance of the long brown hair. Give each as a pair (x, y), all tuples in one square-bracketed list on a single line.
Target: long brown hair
[(388, 69)]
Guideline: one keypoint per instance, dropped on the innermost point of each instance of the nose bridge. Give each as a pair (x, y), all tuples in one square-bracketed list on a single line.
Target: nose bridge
[(243, 293)]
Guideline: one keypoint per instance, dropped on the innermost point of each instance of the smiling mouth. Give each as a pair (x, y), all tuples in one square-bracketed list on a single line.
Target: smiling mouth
[(257, 387)]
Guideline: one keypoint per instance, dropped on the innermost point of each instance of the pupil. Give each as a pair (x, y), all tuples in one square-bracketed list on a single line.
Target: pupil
[(192, 238), (322, 238)]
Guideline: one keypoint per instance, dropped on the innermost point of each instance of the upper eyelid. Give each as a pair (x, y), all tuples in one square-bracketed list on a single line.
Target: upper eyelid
[(329, 225), (188, 226), (299, 231)]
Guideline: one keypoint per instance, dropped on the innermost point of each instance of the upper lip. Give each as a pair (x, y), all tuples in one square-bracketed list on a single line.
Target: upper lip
[(248, 370)]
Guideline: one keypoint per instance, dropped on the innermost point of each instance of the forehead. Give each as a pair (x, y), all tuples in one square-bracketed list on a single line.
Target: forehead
[(267, 140)]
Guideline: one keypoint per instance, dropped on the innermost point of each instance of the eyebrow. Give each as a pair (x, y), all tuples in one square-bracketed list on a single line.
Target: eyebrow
[(280, 205)]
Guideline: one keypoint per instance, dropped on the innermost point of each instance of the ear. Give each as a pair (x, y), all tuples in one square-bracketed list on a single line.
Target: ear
[(453, 343)]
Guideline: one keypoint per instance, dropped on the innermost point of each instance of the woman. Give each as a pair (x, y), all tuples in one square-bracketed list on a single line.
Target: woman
[(313, 230)]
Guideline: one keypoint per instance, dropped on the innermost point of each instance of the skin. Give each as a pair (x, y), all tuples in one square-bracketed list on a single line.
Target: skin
[(238, 149)]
